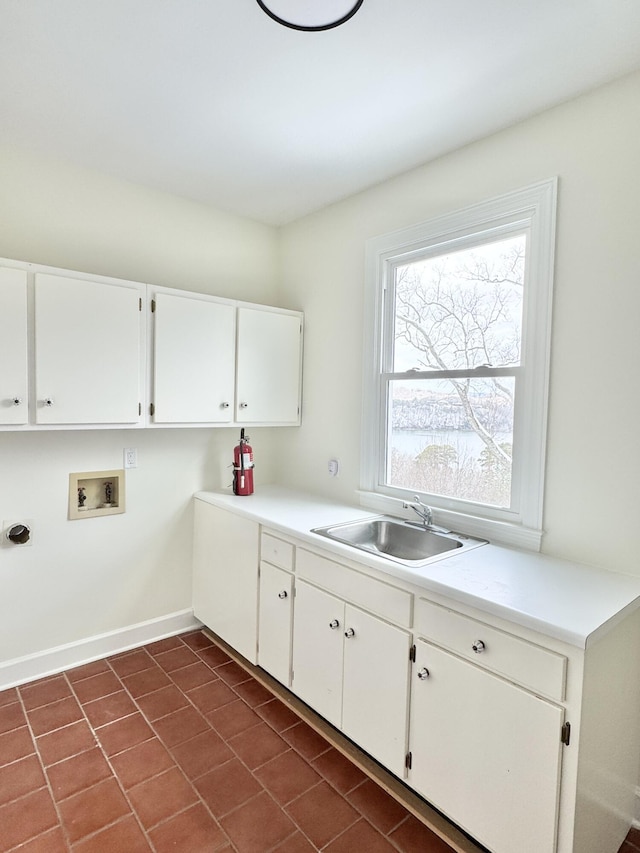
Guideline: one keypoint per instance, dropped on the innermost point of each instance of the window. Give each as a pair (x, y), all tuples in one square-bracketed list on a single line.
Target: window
[(456, 361)]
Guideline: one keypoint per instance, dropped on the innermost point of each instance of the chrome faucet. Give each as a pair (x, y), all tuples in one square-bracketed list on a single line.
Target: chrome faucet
[(420, 509)]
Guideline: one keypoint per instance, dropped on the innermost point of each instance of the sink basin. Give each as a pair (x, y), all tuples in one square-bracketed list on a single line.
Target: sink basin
[(402, 541)]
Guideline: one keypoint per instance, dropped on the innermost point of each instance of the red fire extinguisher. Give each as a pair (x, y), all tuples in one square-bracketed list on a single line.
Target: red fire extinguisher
[(243, 467)]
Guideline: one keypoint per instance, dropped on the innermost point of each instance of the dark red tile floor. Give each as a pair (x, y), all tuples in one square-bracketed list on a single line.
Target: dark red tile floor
[(175, 747)]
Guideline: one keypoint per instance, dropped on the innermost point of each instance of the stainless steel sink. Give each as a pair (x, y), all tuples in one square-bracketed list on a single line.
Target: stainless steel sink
[(403, 541)]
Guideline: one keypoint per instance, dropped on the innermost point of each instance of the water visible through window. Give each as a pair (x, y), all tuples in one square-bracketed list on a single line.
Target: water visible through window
[(457, 327)]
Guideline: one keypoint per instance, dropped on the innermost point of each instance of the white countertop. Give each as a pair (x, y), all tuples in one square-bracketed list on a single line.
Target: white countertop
[(567, 601)]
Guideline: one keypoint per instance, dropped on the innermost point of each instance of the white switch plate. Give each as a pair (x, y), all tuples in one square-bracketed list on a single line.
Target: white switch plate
[(130, 457)]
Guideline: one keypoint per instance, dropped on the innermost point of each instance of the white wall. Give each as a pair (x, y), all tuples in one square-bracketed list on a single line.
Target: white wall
[(87, 577), (592, 499), (91, 576)]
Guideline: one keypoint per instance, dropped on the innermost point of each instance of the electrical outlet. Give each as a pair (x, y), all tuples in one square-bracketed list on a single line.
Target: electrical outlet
[(130, 457), (333, 467)]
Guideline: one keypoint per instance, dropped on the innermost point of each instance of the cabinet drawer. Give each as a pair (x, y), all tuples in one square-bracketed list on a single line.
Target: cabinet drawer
[(387, 601), (535, 667), (276, 552)]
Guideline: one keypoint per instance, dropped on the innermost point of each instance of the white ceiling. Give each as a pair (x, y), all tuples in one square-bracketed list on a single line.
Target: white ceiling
[(214, 101)]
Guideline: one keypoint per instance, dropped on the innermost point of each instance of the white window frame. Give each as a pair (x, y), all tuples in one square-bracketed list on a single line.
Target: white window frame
[(531, 210)]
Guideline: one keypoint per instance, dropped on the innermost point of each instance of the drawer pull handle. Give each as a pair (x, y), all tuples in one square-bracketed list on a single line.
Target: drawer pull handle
[(334, 623), (423, 674), (349, 633), (283, 593), (478, 647)]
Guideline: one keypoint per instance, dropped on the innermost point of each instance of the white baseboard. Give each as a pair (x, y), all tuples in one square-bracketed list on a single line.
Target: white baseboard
[(51, 661)]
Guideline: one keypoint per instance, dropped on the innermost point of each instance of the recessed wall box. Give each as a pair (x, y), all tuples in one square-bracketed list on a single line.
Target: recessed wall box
[(94, 493)]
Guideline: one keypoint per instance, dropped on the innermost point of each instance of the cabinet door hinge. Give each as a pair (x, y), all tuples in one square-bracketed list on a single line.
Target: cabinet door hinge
[(140, 304), (152, 409), (153, 306), (565, 735), (139, 409), (412, 653), (408, 760)]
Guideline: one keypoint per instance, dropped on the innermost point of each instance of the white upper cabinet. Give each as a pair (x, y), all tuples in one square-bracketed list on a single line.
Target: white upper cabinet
[(88, 351), (268, 378), (74, 355), (13, 347), (193, 359)]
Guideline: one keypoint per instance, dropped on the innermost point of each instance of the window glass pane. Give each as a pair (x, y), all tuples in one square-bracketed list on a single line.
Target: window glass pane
[(452, 437), (461, 309)]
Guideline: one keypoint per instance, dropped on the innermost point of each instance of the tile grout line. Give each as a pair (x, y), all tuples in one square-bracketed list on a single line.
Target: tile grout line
[(45, 776), (111, 768), (157, 737), (154, 662), (323, 778)]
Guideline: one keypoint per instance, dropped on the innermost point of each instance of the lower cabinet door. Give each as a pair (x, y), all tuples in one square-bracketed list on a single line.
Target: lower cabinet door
[(376, 687), (275, 622), (318, 627), (225, 576), (485, 752)]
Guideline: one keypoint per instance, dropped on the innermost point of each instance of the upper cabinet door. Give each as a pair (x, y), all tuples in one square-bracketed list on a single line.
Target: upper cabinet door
[(269, 367), (88, 351), (193, 360), (14, 406)]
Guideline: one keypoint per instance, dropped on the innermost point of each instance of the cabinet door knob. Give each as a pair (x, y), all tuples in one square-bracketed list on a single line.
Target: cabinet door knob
[(224, 405), (48, 401), (478, 646), (423, 674), (17, 401), (243, 405), (334, 623), (349, 633), (283, 593)]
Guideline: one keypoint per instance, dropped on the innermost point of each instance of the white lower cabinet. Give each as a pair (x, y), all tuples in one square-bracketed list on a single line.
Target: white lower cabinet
[(485, 752), (318, 648), (353, 669), (275, 622), (376, 687), (527, 742), (225, 576)]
